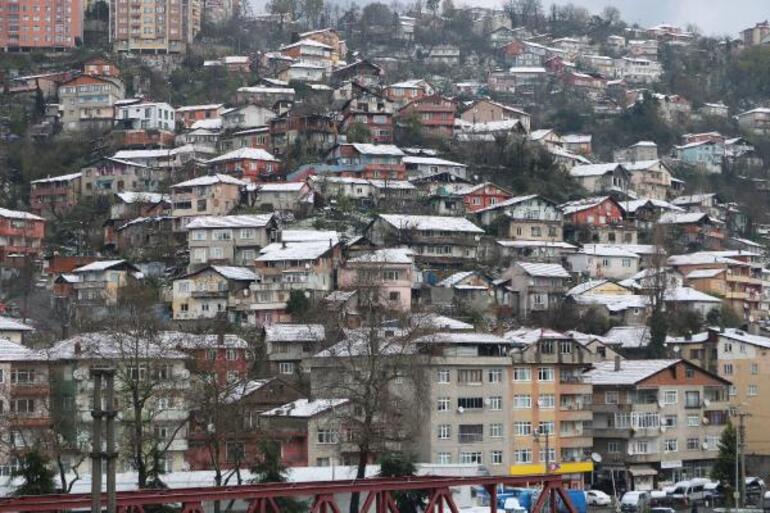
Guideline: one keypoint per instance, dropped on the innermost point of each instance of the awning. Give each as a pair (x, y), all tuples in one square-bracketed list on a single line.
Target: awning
[(642, 471)]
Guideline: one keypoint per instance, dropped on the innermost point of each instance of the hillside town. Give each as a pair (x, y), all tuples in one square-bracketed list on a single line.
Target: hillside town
[(526, 240)]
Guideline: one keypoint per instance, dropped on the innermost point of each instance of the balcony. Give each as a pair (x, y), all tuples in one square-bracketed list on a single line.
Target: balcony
[(204, 294), (29, 389), (470, 438), (28, 421)]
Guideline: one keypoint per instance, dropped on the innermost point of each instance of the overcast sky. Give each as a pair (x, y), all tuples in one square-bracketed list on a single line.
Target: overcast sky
[(714, 17)]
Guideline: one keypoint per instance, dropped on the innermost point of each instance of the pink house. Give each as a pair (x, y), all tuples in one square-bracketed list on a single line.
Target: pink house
[(386, 272)]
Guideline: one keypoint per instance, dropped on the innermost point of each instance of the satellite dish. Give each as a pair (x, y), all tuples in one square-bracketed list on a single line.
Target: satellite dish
[(460, 409), (80, 374), (662, 428), (704, 446), (705, 420), (596, 457), (706, 403), (630, 451), (676, 349)]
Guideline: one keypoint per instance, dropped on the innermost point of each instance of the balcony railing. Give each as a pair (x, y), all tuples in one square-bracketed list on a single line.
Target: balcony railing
[(469, 438)]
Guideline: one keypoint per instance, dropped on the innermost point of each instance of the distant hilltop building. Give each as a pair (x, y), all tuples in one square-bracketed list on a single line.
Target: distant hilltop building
[(154, 26)]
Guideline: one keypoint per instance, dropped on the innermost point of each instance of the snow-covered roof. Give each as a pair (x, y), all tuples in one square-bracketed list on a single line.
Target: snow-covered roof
[(310, 236), (689, 295), (182, 340), (305, 408), (693, 199), (529, 336), (235, 59), (307, 42), (613, 302), (692, 339), (454, 337), (585, 287), (99, 265), (439, 322), (278, 186), (543, 270), (213, 124), (100, 345), (279, 251), (60, 178), (507, 203), (11, 324), (295, 333), (704, 273), (631, 372), (266, 90), (640, 165), (125, 156), (430, 223), (704, 257), (236, 273), (244, 389), (431, 161), (527, 69), (241, 221), (245, 153), (594, 169), (142, 197), (577, 138), (455, 278), (536, 244), (742, 336), (392, 184), (377, 149), (629, 336), (416, 83), (18, 214), (582, 204), (609, 250), (210, 106), (631, 206), (385, 255), (211, 180), (13, 352)]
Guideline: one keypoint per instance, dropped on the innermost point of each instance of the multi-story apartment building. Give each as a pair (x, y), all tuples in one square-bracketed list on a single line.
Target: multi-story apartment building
[(529, 217), (214, 195), (309, 51), (252, 164), (21, 233), (229, 240), (755, 121), (55, 195), (210, 292), (32, 24), (535, 287), (158, 360), (87, 102), (187, 115), (435, 115), (154, 26), (25, 411), (100, 283), (657, 420), (486, 111), (387, 274), (756, 35), (650, 178), (435, 240), (372, 111), (638, 70), (110, 175), (483, 195), (287, 345), (741, 358), (145, 116)]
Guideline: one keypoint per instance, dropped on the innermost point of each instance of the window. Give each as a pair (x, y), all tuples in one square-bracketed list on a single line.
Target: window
[(470, 376), (247, 233), (231, 355), (640, 447), (693, 420), (470, 433), (390, 275), (394, 295), (22, 406), (495, 430), (522, 455), (611, 397), (545, 427), (496, 403), (473, 457), (752, 391), (495, 375), (565, 346), (693, 444), (545, 374), (546, 401), (522, 374), (689, 372), (728, 347), (233, 376), (22, 376), (551, 454), (754, 369), (443, 404), (443, 458), (732, 391), (286, 367), (522, 401), (442, 376), (727, 369), (613, 447), (217, 252), (198, 235), (470, 403), (669, 421), (546, 346), (670, 445), (326, 436), (692, 399), (323, 462), (521, 428), (496, 457), (444, 431), (669, 397)]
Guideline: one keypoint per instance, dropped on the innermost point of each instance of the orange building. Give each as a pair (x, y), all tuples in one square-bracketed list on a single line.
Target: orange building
[(251, 164), (483, 195), (99, 66), (40, 24), (189, 114), (435, 113), (21, 233)]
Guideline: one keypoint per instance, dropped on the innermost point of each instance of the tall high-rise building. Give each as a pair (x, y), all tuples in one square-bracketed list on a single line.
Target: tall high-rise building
[(27, 24), (154, 26)]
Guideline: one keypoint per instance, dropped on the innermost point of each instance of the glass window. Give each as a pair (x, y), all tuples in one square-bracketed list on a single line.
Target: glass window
[(495, 430), (522, 401), (443, 404), (545, 374), (522, 374), (444, 431), (521, 428), (443, 376)]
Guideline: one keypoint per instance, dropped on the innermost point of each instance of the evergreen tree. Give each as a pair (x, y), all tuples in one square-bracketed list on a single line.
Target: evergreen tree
[(298, 303), (399, 465), (658, 324), (38, 478), (724, 466), (270, 469)]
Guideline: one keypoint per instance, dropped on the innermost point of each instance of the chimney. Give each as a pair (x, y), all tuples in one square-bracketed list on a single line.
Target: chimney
[(77, 348), (617, 363), (220, 339), (688, 335), (283, 244)]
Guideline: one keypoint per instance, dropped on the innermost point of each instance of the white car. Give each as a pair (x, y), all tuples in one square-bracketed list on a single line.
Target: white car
[(597, 498)]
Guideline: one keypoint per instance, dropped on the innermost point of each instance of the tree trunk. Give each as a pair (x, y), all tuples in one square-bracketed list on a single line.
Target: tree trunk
[(363, 455), (141, 469)]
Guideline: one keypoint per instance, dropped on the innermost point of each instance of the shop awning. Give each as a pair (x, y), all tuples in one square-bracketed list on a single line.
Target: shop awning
[(642, 471)]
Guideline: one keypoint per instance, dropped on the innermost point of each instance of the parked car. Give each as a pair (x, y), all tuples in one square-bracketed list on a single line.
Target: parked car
[(597, 498), (634, 502), (662, 510), (690, 491)]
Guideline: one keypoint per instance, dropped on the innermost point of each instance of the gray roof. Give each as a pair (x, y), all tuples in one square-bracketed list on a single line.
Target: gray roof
[(631, 371), (430, 223), (544, 270), (242, 221), (10, 324), (295, 333)]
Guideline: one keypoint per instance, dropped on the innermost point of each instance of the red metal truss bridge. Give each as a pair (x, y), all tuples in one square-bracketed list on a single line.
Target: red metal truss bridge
[(376, 493)]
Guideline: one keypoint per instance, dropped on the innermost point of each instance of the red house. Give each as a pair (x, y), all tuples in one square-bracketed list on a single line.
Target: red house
[(483, 195), (436, 115), (372, 111), (253, 164), (189, 114), (21, 233), (596, 211)]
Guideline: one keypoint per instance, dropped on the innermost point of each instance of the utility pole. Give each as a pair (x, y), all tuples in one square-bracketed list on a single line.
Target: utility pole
[(741, 444), (102, 377)]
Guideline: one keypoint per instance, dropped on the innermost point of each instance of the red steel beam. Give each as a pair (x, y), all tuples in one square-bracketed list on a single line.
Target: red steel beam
[(128, 499)]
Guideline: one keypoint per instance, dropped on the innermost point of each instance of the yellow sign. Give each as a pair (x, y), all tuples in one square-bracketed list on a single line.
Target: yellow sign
[(575, 467)]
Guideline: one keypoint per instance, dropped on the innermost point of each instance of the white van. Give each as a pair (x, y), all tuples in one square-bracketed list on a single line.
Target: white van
[(691, 491), (634, 502)]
